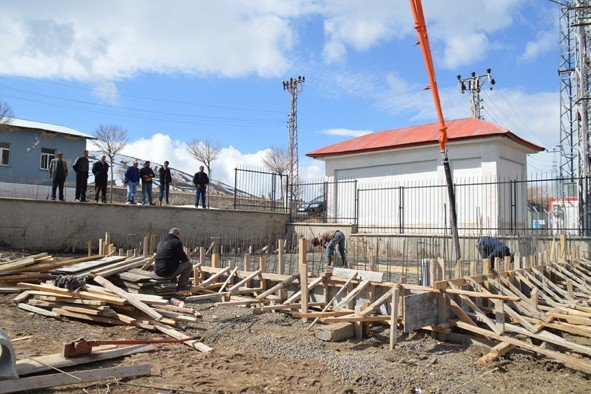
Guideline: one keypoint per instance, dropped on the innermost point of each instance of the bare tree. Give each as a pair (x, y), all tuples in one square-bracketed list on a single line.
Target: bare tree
[(276, 159), (5, 114), (204, 151), (110, 139)]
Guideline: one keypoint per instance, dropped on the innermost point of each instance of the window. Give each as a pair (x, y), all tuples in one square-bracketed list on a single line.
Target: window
[(47, 155), (4, 153)]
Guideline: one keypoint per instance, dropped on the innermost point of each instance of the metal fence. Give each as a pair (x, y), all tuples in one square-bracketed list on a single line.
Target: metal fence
[(541, 203), (260, 190)]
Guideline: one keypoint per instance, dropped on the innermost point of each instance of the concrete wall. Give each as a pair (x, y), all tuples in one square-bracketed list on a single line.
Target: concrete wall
[(25, 154), (50, 225)]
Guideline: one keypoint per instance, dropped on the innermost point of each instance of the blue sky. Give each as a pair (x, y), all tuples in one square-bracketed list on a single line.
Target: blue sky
[(172, 71)]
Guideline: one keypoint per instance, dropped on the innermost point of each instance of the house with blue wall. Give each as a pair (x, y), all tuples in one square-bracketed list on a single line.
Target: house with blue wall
[(27, 148)]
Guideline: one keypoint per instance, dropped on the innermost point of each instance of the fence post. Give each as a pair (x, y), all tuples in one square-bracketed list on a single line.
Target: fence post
[(401, 209), (235, 185), (273, 191), (325, 195), (356, 207), (513, 197)]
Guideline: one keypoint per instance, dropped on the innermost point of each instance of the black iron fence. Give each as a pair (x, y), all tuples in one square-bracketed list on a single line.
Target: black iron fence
[(543, 204), (260, 190)]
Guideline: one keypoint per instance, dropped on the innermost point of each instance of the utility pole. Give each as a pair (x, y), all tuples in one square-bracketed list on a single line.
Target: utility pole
[(294, 86), (575, 114), (474, 85)]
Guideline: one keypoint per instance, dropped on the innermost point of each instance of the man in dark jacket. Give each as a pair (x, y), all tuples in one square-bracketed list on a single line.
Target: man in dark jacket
[(201, 180), (147, 175), (165, 180), (171, 260), (100, 170), (81, 168), (58, 172), (490, 248), (132, 179)]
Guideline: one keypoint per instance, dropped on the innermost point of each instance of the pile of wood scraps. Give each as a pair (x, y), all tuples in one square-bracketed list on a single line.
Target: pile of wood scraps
[(106, 303), (520, 308)]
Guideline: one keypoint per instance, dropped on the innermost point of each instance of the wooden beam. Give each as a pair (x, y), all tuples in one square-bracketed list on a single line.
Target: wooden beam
[(129, 297), (278, 286), (296, 296), (394, 317), (352, 294), (245, 280), (329, 303), (303, 269)]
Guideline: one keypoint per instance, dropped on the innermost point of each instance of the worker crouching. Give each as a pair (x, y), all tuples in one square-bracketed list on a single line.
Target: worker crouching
[(172, 261), (330, 240)]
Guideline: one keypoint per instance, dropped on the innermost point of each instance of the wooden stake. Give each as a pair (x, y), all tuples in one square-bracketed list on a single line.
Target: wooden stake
[(89, 247), (152, 244), (507, 265), (473, 268), (215, 260), (500, 315), (432, 271), (534, 298), (459, 269), (246, 262), (202, 256), (563, 247), (101, 252), (569, 288), (280, 256), (486, 266), (303, 268), (394, 317), (145, 246), (196, 274)]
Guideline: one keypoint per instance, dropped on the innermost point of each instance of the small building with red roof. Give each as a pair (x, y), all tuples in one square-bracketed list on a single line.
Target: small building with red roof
[(475, 148), (399, 178)]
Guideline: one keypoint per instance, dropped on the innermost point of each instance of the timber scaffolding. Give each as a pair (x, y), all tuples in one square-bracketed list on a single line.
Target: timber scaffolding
[(516, 306)]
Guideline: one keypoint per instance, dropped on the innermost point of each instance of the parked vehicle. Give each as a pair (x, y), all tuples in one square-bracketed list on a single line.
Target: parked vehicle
[(314, 207)]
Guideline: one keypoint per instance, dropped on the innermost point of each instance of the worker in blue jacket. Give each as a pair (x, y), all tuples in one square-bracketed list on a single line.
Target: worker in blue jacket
[(132, 179), (490, 248)]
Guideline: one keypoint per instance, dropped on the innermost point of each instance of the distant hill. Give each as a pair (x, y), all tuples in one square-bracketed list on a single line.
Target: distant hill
[(181, 181)]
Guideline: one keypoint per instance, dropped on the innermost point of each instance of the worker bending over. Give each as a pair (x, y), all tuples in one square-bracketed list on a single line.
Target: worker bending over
[(329, 240), (172, 261), (490, 248)]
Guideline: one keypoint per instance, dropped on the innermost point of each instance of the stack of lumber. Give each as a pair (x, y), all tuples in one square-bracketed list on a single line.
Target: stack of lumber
[(108, 304), (33, 269), (144, 282)]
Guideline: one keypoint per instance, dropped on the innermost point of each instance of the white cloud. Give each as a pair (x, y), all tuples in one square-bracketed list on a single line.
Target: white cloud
[(106, 92), (345, 132), (545, 42), (161, 147)]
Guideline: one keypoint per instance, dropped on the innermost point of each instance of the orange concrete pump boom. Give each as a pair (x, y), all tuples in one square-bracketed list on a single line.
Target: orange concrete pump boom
[(421, 27)]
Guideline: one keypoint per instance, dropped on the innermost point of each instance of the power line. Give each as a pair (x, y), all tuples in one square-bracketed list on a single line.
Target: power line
[(210, 123), (173, 101), (133, 108)]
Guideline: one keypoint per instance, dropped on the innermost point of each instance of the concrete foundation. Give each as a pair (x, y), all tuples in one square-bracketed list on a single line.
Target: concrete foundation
[(51, 225)]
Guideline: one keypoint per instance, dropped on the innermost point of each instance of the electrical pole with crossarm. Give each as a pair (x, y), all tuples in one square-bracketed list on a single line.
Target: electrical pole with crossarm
[(294, 86), (474, 84)]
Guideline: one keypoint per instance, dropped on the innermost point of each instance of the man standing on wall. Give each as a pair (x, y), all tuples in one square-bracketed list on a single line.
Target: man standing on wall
[(165, 180), (132, 179), (100, 170), (201, 180), (147, 175), (81, 168), (172, 261), (330, 240), (58, 172)]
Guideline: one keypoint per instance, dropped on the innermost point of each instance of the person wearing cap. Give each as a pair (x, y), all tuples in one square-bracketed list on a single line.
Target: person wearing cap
[(172, 261), (58, 172), (147, 175), (132, 179), (165, 180), (81, 167), (330, 240)]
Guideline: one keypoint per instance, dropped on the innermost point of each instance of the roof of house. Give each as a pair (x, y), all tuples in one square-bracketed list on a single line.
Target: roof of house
[(426, 134), (29, 124)]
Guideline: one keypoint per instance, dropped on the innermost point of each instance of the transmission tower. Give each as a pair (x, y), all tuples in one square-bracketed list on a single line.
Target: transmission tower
[(575, 60), (294, 86), (474, 84)]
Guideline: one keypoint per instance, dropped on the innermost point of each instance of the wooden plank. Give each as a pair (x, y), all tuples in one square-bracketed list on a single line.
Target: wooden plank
[(346, 273), (203, 348), (39, 311), (249, 277), (328, 304), (479, 295), (128, 297), (39, 364), (278, 286), (303, 270), (352, 295), (394, 317), (228, 279), (496, 352), (296, 296), (353, 319), (377, 303), (61, 379)]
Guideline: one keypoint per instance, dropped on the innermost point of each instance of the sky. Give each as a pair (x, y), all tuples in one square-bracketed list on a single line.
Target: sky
[(173, 71)]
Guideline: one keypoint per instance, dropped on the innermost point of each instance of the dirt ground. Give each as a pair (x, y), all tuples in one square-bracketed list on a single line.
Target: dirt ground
[(275, 353)]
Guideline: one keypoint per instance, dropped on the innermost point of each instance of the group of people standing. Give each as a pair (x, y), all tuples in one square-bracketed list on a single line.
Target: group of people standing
[(58, 172), (133, 176)]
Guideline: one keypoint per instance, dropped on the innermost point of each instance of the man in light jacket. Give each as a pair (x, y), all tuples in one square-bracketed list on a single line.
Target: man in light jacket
[(58, 172)]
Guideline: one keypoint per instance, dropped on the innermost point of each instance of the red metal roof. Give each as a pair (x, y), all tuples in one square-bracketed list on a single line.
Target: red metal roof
[(459, 129)]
